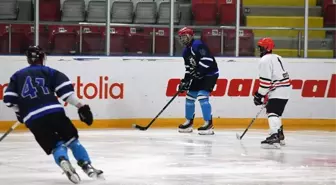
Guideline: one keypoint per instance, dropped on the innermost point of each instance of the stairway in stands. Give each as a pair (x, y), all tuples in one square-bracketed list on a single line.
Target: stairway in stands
[(288, 13)]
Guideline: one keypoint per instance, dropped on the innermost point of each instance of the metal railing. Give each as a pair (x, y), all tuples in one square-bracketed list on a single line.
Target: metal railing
[(299, 36), (171, 27), (221, 29)]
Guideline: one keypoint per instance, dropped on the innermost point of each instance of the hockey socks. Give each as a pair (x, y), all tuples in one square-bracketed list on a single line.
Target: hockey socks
[(186, 127), (79, 151), (60, 152), (62, 160), (190, 105), (277, 138), (83, 159), (203, 98), (274, 123), (207, 128)]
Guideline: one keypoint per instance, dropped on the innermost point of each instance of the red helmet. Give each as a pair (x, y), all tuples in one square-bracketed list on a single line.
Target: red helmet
[(186, 36), (185, 31), (266, 45)]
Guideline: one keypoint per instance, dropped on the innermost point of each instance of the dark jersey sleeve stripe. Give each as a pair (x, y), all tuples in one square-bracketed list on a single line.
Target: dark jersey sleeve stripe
[(265, 79), (63, 86)]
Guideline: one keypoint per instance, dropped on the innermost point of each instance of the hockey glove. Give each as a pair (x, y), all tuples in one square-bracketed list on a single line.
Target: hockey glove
[(17, 113), (258, 99), (18, 117), (85, 114), (184, 85)]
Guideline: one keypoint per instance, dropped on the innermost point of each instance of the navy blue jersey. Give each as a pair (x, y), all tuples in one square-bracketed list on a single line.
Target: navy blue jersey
[(33, 90), (198, 57)]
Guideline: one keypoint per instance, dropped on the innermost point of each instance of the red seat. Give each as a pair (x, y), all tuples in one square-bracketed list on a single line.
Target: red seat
[(139, 41), (212, 38), (227, 11), (204, 12), (162, 41), (44, 37), (19, 39), (3, 45), (50, 10), (246, 43), (64, 39), (93, 40), (334, 44), (326, 3), (117, 40), (329, 13), (3, 28)]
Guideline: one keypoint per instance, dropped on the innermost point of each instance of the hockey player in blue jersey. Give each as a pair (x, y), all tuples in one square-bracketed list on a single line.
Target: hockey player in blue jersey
[(31, 93), (199, 80)]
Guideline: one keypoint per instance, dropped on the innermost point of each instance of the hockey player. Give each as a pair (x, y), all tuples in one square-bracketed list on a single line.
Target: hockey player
[(199, 80), (31, 93), (276, 84)]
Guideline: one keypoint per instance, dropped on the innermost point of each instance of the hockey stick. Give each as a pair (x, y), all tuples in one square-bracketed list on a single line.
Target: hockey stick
[(252, 121), (10, 130), (146, 127)]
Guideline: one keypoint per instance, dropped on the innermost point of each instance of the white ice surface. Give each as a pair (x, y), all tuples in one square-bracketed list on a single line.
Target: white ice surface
[(166, 157)]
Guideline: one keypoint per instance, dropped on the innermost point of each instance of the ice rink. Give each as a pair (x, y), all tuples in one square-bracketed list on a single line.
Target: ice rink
[(166, 157)]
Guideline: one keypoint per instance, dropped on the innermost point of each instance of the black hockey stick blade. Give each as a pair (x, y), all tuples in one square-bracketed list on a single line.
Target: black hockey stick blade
[(139, 127), (238, 136), (146, 127)]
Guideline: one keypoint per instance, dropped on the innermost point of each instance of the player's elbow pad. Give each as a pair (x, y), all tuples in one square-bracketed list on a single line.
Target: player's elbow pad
[(73, 100)]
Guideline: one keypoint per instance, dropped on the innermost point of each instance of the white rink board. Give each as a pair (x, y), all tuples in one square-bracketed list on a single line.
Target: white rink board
[(145, 81)]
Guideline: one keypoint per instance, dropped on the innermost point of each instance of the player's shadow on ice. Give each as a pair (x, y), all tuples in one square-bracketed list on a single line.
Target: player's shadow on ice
[(198, 147), (265, 154), (274, 155)]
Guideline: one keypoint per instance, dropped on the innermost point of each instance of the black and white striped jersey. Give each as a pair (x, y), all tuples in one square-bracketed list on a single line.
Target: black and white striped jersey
[(273, 75)]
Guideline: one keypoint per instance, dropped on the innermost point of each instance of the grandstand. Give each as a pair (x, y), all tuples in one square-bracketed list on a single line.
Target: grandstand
[(60, 32)]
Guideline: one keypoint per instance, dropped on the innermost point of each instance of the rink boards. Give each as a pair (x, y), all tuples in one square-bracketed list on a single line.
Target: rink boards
[(126, 90)]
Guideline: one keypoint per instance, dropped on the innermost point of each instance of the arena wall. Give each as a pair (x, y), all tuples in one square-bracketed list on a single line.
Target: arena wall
[(126, 90)]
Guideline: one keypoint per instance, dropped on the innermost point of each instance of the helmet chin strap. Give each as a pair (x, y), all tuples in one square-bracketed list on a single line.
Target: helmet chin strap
[(263, 51)]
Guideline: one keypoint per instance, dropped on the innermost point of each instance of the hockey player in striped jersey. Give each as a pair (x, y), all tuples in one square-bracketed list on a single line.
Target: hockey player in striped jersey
[(199, 80), (31, 93), (274, 83)]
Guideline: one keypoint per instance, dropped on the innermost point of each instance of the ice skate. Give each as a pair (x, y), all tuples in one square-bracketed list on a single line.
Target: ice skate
[(186, 127), (90, 170), (271, 142), (281, 136), (206, 129), (69, 171)]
